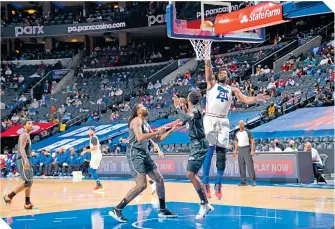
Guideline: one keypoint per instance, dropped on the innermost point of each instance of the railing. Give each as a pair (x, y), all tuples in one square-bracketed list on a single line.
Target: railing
[(324, 30), (271, 58), (295, 105), (267, 38), (38, 83), (163, 72)]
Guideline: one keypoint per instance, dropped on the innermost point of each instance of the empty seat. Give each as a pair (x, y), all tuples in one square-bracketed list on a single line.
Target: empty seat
[(307, 139), (330, 146), (316, 139), (326, 139)]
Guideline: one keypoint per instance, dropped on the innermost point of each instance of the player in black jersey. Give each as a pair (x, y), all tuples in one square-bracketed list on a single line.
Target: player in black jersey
[(24, 166), (191, 114), (140, 162)]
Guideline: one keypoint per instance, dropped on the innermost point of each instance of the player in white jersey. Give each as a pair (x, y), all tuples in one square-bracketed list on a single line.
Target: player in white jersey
[(216, 123), (96, 157)]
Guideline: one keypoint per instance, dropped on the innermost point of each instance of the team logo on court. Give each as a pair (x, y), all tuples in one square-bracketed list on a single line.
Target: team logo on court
[(244, 19)]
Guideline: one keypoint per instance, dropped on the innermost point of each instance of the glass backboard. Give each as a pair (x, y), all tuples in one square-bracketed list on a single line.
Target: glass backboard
[(190, 29)]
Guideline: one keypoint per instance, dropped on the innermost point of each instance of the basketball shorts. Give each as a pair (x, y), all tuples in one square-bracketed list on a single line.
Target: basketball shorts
[(140, 162), (217, 131), (197, 155), (27, 175), (95, 160)]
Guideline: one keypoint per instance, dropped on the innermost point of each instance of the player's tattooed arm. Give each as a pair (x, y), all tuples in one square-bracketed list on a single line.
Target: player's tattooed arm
[(249, 99), (210, 80)]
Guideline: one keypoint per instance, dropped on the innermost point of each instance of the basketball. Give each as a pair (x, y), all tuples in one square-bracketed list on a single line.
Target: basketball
[(207, 26)]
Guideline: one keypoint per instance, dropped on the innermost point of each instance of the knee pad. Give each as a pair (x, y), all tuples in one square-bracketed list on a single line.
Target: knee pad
[(221, 158), (28, 184)]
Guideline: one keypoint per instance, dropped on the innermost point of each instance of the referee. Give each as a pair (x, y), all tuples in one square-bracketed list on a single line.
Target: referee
[(245, 148)]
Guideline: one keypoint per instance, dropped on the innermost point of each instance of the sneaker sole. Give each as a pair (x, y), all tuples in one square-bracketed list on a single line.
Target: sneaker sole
[(7, 202), (204, 216), (110, 213), (167, 216)]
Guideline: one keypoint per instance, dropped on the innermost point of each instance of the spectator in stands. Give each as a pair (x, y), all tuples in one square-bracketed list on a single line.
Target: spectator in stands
[(310, 61), (15, 119), (278, 144), (150, 86), (34, 104), (73, 162), (157, 85), (85, 162), (35, 163), (330, 76), (8, 72), (265, 70), (61, 109), (285, 66), (271, 112), (316, 159), (320, 99), (22, 98), (290, 82), (61, 159), (291, 147), (46, 86), (273, 147), (118, 92), (271, 85)]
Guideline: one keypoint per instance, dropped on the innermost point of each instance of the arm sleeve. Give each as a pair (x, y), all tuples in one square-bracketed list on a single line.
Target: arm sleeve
[(94, 141)]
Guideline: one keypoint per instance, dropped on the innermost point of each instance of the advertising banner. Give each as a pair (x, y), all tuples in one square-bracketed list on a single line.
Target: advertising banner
[(161, 18), (57, 30), (17, 130), (181, 62), (267, 165), (59, 74), (254, 17)]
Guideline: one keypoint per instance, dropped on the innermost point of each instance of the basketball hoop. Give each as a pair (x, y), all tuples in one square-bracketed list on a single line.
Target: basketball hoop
[(202, 49)]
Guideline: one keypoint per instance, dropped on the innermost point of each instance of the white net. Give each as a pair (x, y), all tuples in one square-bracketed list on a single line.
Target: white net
[(202, 49)]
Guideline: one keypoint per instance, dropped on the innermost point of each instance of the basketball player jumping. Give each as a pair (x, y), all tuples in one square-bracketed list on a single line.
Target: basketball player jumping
[(216, 123), (96, 157), (24, 166), (193, 116), (140, 162)]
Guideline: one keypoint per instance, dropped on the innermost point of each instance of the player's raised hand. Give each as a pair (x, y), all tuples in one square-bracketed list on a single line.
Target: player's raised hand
[(182, 102), (161, 130), (176, 101), (176, 126), (262, 98)]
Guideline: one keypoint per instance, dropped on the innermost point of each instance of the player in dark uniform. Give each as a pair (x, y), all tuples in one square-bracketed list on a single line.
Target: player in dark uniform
[(24, 166), (140, 162), (192, 115)]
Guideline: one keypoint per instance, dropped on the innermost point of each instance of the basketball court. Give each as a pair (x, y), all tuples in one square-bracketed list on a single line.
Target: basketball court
[(63, 203)]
